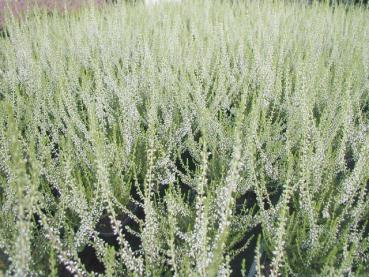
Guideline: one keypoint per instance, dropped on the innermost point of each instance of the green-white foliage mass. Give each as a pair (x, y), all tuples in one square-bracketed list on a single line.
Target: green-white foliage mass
[(233, 127)]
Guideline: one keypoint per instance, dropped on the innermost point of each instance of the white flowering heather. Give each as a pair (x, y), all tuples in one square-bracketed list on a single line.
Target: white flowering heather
[(195, 138)]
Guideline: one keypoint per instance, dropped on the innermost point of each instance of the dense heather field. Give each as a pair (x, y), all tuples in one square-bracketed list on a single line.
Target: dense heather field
[(199, 138)]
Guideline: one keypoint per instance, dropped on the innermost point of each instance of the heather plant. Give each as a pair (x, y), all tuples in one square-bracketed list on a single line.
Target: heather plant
[(188, 138)]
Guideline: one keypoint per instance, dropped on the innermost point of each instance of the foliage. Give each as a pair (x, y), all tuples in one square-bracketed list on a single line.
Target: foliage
[(176, 139)]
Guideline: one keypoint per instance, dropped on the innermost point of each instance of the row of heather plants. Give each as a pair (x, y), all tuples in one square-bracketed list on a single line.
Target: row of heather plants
[(19, 8), (195, 138)]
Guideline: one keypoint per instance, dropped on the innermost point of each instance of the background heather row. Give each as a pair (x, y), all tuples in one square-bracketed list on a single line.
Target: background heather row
[(18, 7)]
